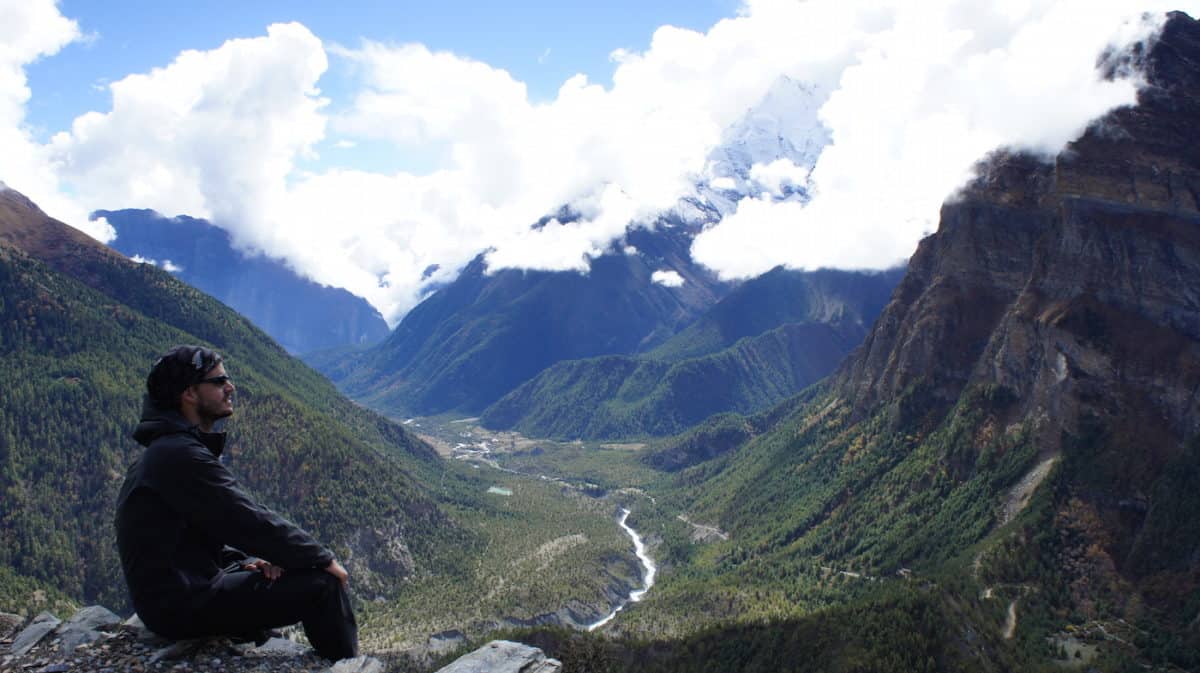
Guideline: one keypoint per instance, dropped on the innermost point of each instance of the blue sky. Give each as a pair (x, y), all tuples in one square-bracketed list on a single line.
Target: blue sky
[(539, 43)]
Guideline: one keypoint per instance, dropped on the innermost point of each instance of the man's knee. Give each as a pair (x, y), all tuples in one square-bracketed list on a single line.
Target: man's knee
[(319, 585)]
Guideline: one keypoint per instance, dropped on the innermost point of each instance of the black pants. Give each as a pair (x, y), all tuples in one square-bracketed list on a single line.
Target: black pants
[(245, 601)]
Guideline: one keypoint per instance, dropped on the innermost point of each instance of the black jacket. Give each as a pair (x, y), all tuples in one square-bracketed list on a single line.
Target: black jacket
[(181, 518)]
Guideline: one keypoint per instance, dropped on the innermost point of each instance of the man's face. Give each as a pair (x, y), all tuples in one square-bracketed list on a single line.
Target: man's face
[(214, 400)]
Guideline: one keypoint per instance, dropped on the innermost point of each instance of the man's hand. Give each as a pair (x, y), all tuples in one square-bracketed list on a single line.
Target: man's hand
[(272, 572), (334, 568)]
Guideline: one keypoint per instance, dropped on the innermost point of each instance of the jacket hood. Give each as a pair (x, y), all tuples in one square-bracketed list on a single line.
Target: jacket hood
[(158, 422)]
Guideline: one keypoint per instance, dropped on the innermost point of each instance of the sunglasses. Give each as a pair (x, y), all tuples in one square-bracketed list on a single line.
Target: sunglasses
[(217, 380)]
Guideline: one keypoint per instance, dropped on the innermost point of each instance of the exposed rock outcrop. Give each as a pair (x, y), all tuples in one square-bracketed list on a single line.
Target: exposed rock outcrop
[(95, 639), (503, 656), (1071, 283), (378, 556)]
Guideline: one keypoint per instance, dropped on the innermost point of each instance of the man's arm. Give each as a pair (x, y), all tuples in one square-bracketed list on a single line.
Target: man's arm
[(196, 484)]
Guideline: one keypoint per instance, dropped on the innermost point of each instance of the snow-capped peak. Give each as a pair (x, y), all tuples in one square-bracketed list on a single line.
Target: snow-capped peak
[(770, 150)]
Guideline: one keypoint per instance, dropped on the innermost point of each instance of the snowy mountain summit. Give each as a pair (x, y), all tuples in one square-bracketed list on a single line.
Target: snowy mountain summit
[(771, 150)]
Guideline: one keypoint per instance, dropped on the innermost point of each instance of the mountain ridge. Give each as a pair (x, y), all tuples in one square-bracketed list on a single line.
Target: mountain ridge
[(302, 315), (765, 341)]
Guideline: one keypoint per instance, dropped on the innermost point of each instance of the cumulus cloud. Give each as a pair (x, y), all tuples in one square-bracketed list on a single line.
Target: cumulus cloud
[(30, 31), (166, 264), (911, 94), (213, 134), (667, 278), (774, 176), (937, 85)]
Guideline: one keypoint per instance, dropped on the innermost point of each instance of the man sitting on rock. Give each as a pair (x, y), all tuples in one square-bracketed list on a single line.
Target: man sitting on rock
[(186, 531)]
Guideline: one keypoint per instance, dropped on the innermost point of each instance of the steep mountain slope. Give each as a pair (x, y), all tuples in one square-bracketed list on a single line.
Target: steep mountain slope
[(767, 340), (79, 326), (300, 314), (477, 339), (1023, 417)]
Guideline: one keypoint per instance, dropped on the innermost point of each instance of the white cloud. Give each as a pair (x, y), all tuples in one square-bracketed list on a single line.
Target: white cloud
[(345, 144), (31, 31), (913, 93), (667, 278), (940, 84), (138, 259), (213, 134), (171, 267), (775, 175), (723, 182)]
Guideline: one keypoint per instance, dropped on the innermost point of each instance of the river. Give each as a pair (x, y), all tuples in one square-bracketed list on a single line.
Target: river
[(479, 450), (639, 547)]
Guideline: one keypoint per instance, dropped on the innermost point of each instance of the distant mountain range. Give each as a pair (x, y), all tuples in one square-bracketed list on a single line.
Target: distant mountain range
[(301, 315)]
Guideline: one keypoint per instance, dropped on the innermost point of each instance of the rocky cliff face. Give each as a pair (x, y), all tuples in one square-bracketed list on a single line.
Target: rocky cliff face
[(1076, 283), (1072, 285)]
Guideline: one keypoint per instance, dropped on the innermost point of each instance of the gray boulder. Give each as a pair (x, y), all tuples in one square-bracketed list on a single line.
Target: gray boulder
[(503, 656), (85, 626), (33, 634), (95, 617), (358, 665)]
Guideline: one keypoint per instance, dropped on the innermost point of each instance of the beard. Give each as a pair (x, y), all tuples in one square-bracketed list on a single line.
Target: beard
[(212, 410)]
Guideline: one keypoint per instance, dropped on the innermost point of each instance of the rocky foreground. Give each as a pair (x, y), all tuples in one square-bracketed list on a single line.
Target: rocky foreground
[(95, 639)]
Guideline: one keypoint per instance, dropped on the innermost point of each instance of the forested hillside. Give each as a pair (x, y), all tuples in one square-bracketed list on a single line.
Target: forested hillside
[(75, 355)]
